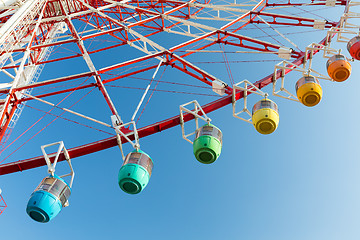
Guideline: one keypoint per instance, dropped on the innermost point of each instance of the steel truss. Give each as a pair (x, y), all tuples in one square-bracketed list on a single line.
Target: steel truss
[(121, 20), (3, 204)]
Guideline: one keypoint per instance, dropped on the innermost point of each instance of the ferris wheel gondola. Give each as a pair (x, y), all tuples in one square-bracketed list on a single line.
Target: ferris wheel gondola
[(308, 90), (43, 25)]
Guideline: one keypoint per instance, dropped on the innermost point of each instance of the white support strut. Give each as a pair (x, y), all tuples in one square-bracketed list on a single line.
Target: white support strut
[(52, 165), (247, 87), (195, 112)]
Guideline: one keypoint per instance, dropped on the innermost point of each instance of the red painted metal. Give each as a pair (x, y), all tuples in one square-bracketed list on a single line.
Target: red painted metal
[(2, 204), (303, 22), (143, 132), (172, 60)]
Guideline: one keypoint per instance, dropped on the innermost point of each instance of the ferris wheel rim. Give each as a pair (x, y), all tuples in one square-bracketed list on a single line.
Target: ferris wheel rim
[(111, 142)]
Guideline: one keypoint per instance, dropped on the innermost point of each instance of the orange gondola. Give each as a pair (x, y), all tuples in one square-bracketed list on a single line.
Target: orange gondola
[(338, 68)]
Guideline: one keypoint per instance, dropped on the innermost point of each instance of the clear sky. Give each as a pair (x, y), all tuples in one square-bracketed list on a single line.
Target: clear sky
[(297, 183)]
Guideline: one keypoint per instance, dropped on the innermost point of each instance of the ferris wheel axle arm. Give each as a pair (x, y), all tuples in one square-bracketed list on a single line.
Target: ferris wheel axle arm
[(131, 62), (301, 20), (48, 82), (67, 110), (58, 92), (259, 7), (204, 75), (75, 88), (143, 132), (92, 68), (101, 33)]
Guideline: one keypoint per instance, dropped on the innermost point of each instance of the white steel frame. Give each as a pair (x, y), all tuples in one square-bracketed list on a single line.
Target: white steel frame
[(247, 87), (346, 27), (285, 65), (306, 69), (197, 112), (51, 166), (118, 126)]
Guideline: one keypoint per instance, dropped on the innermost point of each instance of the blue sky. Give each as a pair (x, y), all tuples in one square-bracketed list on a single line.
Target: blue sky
[(298, 183)]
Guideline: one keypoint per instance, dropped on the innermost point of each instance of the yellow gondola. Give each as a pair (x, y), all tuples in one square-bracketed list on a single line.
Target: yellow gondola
[(308, 91), (265, 116)]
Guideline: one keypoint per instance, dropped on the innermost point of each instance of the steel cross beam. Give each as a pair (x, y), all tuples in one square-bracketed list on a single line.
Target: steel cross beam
[(186, 63), (214, 31), (93, 10), (154, 128), (142, 132), (310, 22), (203, 75), (9, 109), (163, 16), (2, 203), (171, 59), (92, 67)]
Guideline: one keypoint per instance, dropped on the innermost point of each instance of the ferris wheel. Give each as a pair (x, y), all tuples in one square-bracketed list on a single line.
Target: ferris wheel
[(122, 70)]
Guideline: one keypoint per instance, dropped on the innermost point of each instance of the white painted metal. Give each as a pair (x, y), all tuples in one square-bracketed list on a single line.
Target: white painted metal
[(319, 24), (144, 42), (198, 113), (219, 87), (6, 3), (92, 67), (330, 3), (349, 25), (32, 74), (146, 90), (119, 133), (284, 53), (281, 91), (17, 26), (309, 53), (201, 27), (67, 110), (52, 165), (282, 66), (246, 87), (282, 35), (21, 77)]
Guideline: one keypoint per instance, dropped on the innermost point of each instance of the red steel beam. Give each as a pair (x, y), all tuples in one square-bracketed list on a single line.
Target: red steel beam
[(2, 204), (143, 132), (300, 20)]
